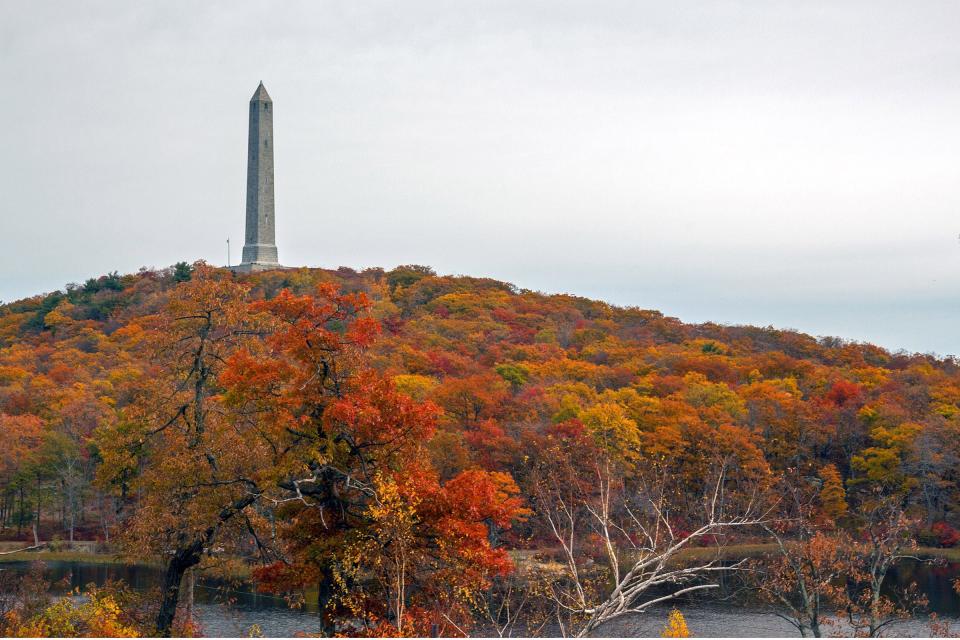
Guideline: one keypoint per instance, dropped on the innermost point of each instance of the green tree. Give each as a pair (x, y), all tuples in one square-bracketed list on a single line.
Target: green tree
[(182, 272)]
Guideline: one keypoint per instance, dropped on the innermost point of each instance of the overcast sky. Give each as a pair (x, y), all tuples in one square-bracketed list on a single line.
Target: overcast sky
[(794, 164)]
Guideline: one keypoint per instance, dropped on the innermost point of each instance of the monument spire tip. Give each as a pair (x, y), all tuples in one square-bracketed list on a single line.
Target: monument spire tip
[(261, 94)]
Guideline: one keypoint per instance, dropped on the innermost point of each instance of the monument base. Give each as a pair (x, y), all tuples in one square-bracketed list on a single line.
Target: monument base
[(256, 267), (259, 254)]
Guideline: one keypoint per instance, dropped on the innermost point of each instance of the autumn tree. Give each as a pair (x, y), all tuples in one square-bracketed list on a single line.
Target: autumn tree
[(803, 581), (803, 578), (676, 626), (887, 539), (933, 460), (20, 439), (64, 462), (190, 470), (364, 516), (833, 497), (425, 552)]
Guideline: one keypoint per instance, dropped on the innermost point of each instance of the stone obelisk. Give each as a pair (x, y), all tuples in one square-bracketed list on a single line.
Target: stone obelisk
[(260, 249)]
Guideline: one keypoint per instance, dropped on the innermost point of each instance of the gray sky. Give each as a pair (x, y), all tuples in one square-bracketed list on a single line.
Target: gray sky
[(785, 163)]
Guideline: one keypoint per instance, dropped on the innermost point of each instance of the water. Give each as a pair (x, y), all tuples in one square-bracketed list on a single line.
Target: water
[(717, 619), (711, 621), (223, 610)]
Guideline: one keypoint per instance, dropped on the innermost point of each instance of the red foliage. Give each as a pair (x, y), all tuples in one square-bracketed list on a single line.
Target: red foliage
[(281, 577), (946, 535), (571, 429), (375, 414), (495, 449), (843, 393)]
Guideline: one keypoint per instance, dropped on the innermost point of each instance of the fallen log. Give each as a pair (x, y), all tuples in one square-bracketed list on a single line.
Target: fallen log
[(30, 548)]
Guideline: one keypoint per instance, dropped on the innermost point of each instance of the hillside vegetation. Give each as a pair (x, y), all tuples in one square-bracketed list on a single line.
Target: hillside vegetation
[(297, 419)]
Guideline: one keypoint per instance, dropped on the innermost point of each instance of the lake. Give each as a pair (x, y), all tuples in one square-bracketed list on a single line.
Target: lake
[(226, 611), (222, 610)]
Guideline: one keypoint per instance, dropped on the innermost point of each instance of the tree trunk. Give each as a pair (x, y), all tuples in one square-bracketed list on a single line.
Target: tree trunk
[(182, 559), (324, 595), (38, 509), (20, 513), (71, 513), (106, 525), (102, 513), (189, 556), (191, 583), (815, 616)]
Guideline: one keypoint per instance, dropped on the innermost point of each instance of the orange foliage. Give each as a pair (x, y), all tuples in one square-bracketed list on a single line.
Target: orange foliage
[(303, 385)]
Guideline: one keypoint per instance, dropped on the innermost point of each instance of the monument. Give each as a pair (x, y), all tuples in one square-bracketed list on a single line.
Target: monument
[(260, 249)]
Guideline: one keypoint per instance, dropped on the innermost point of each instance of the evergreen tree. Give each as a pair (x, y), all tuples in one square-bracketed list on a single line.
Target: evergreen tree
[(833, 497)]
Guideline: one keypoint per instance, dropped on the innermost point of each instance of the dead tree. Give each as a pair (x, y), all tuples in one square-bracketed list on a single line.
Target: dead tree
[(642, 560)]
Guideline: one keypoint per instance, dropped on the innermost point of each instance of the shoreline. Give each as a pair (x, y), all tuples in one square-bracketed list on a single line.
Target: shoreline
[(71, 556), (732, 552)]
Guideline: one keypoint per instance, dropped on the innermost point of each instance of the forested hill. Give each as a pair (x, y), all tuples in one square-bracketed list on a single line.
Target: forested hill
[(299, 419), (504, 362)]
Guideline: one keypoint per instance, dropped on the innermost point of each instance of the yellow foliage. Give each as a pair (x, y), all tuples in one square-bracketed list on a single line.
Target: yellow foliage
[(643, 410), (833, 497), (416, 386), (703, 394), (59, 318), (98, 617), (613, 428), (872, 377), (884, 463), (676, 626), (9, 375)]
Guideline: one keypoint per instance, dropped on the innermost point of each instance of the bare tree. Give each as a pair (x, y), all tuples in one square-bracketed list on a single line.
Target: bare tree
[(641, 538), (511, 605)]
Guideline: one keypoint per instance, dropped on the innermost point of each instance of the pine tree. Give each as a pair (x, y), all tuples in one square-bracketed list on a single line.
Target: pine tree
[(833, 497)]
